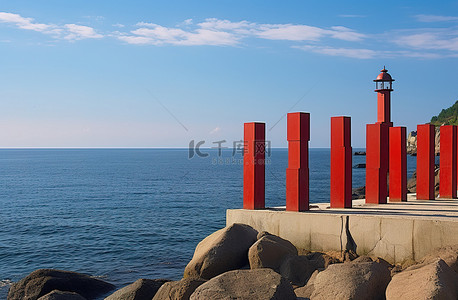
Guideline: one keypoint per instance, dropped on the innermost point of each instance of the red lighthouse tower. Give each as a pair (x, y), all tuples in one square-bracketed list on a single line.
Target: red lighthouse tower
[(383, 87), (377, 142)]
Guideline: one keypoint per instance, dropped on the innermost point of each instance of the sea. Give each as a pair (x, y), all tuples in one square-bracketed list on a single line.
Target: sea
[(125, 214)]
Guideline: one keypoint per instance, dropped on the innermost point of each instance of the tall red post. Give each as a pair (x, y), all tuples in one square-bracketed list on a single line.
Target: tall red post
[(341, 162), (376, 163), (297, 173), (384, 106), (254, 166), (398, 164), (447, 188), (425, 161)]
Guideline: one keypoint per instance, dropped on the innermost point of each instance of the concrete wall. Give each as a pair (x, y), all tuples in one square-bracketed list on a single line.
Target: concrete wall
[(394, 238)]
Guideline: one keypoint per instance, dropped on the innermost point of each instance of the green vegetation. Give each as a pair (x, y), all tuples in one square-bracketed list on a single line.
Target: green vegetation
[(447, 116)]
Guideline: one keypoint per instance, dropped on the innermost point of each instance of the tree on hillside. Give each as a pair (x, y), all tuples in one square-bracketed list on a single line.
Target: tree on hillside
[(448, 116)]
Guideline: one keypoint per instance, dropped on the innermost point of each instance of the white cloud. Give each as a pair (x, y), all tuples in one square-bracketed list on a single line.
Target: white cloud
[(333, 41), (25, 23), (155, 34), (346, 34), (210, 37), (67, 31), (435, 18), (215, 130), (437, 39), (78, 32), (135, 40), (224, 32), (346, 52), (242, 27), (161, 33), (290, 32), (146, 24)]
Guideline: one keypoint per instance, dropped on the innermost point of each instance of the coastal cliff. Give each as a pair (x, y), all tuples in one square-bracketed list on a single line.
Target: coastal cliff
[(447, 116), (412, 142)]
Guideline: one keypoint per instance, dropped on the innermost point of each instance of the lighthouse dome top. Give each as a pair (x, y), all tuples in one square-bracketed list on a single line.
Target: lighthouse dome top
[(384, 76)]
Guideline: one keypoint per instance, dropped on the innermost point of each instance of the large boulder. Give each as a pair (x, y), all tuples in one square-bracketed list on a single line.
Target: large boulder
[(222, 251), (258, 284), (43, 281), (352, 280), (322, 260), (448, 254), (178, 290), (142, 289), (297, 269), (306, 291), (270, 251), (432, 281), (59, 295)]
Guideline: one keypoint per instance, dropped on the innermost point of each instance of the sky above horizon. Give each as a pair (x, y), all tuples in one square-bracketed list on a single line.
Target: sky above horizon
[(163, 73)]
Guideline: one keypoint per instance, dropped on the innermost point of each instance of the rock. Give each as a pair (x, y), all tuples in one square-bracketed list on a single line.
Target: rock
[(178, 290), (395, 270), (322, 260), (297, 269), (142, 289), (258, 284), (359, 166), (412, 182), (353, 280), (270, 251), (358, 193), (43, 281), (59, 295), (408, 263), (359, 153), (362, 259), (412, 142), (344, 256), (223, 250), (432, 281), (448, 254), (437, 141), (306, 291), (383, 262), (302, 251)]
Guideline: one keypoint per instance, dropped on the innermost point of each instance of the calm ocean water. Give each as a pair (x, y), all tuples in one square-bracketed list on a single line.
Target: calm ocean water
[(124, 214)]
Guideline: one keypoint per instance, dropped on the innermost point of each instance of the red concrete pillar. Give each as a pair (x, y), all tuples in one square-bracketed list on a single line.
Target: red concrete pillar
[(447, 187), (398, 164), (253, 166), (425, 161), (341, 162), (376, 162), (297, 173)]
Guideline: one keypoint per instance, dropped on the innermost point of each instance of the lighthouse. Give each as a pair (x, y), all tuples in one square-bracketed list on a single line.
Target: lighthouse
[(383, 87), (377, 142)]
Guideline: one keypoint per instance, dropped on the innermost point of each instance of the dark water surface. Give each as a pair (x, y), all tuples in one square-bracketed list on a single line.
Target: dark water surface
[(124, 214)]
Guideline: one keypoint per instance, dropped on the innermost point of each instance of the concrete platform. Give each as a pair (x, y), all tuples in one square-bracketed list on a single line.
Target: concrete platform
[(395, 231)]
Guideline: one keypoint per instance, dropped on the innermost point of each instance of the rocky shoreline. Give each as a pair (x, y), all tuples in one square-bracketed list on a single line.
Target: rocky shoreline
[(238, 262)]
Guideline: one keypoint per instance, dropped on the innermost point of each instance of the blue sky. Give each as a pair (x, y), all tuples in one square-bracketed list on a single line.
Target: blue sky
[(162, 73)]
